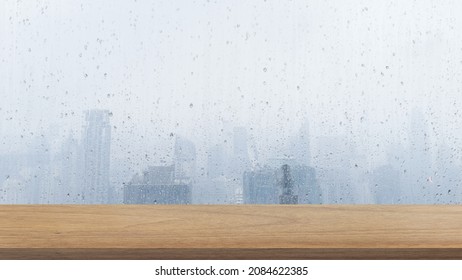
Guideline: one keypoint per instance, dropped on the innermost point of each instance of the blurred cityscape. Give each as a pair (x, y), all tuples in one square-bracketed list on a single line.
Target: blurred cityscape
[(230, 102), (79, 171)]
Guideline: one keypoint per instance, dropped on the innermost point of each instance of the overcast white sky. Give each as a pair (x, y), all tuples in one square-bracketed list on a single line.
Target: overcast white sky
[(183, 66)]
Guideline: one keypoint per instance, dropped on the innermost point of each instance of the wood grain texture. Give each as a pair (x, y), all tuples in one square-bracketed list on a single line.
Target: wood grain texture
[(230, 232)]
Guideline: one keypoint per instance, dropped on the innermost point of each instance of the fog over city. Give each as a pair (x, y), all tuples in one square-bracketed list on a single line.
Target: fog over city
[(231, 102)]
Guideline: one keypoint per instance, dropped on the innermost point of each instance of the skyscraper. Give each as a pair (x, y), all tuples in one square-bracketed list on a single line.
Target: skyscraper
[(260, 186), (185, 160), (157, 186), (287, 187), (270, 185), (420, 172), (70, 172), (216, 161), (301, 148), (96, 156), (240, 142), (240, 158)]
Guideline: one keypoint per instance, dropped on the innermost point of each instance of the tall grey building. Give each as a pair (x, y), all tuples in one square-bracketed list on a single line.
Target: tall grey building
[(96, 142), (216, 161), (157, 186), (70, 172), (420, 175), (335, 160), (185, 160), (260, 187), (240, 158), (263, 186), (240, 142), (305, 181), (300, 149), (286, 184)]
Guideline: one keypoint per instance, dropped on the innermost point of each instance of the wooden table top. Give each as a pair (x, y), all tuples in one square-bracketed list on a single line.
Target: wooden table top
[(230, 232)]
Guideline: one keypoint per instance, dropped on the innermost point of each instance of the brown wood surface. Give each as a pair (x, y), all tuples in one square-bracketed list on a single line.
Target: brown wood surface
[(230, 232)]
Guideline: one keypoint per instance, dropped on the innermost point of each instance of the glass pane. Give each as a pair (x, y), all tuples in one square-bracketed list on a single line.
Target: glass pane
[(230, 102)]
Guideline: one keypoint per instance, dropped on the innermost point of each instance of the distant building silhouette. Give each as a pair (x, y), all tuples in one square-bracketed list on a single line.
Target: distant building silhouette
[(216, 161), (305, 181), (260, 187), (96, 142), (334, 164), (263, 186), (157, 186), (185, 160), (419, 183), (240, 142), (70, 173), (286, 184), (300, 148)]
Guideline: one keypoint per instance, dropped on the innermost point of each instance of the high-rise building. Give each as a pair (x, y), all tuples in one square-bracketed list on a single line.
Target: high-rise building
[(300, 149), (286, 184), (216, 162), (226, 164), (260, 187), (185, 160), (335, 160), (447, 176), (263, 186), (157, 186), (240, 142), (70, 173), (96, 141), (229, 158), (305, 181), (419, 176)]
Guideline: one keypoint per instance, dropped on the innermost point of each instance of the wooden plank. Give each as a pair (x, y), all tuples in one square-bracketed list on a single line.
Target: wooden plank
[(230, 232)]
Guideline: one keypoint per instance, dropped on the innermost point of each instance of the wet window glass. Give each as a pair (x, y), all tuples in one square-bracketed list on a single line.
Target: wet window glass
[(230, 102)]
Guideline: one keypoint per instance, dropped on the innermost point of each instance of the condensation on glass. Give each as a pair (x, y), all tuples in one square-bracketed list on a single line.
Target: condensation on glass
[(230, 102)]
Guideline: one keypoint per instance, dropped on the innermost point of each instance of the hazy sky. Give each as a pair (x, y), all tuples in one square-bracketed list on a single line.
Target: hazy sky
[(352, 68)]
